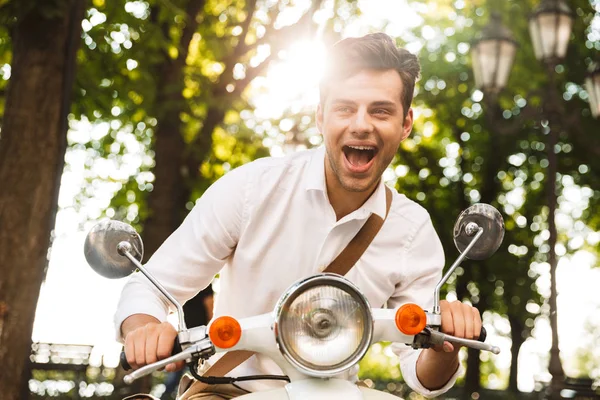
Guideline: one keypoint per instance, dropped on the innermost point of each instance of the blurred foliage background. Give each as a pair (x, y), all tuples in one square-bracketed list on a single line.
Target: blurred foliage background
[(165, 96)]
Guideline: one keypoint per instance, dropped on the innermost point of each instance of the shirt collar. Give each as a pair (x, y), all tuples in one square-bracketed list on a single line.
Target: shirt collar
[(315, 180), (376, 204)]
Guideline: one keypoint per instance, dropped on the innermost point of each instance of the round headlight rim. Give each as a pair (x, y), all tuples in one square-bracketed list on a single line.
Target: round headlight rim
[(300, 287)]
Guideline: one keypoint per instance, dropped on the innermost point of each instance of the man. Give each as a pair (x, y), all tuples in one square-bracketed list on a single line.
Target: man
[(273, 221)]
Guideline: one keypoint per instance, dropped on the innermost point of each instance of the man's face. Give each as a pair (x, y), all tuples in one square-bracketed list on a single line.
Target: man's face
[(362, 122)]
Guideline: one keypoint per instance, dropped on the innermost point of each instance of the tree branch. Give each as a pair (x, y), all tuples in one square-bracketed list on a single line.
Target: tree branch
[(251, 74), (284, 35), (250, 10), (191, 12), (277, 38), (202, 143), (238, 51)]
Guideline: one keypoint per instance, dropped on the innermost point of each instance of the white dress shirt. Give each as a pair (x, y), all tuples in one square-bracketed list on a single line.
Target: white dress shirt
[(267, 224)]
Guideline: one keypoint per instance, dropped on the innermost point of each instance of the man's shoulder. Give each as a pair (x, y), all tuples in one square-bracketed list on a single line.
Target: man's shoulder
[(277, 165), (408, 211)]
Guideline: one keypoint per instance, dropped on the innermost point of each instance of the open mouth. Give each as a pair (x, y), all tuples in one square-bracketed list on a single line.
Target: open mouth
[(359, 157)]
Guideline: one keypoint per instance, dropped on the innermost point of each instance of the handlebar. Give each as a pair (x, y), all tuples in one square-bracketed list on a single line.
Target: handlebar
[(438, 338), (482, 335), (176, 350)]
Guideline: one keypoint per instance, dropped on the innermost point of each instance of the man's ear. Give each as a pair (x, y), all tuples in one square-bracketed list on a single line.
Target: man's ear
[(319, 118), (407, 124)]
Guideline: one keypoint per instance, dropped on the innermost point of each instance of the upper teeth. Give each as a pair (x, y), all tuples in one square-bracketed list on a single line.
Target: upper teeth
[(362, 147)]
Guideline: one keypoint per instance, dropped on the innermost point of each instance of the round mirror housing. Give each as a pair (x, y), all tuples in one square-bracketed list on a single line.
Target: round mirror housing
[(466, 227), (105, 245)]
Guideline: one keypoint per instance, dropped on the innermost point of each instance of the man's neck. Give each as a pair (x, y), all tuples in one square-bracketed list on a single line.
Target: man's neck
[(344, 201)]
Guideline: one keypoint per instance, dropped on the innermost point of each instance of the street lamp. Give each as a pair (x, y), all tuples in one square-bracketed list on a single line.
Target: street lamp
[(592, 85), (550, 28), (493, 55)]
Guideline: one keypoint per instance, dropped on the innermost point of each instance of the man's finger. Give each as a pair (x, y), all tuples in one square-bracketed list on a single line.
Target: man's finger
[(469, 323), (447, 325), (151, 345), (166, 340), (140, 350), (175, 366), (448, 347), (477, 324), (130, 351), (458, 319)]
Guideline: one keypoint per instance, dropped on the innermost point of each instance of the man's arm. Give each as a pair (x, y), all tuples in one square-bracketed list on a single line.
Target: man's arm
[(428, 372), (185, 263), (435, 367)]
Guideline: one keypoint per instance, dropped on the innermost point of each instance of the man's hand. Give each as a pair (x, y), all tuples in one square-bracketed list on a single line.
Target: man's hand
[(460, 320), (436, 366), (147, 340)]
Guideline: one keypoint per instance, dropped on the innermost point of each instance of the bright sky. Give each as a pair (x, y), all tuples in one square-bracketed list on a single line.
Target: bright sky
[(76, 306)]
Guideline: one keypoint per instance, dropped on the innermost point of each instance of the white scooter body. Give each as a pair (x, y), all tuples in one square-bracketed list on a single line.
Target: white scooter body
[(258, 336), (320, 389)]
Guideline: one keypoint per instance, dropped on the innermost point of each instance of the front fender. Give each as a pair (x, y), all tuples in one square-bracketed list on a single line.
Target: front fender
[(320, 389), (371, 394)]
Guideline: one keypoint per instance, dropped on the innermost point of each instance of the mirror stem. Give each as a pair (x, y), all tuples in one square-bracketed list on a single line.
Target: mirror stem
[(436, 293), (125, 252)]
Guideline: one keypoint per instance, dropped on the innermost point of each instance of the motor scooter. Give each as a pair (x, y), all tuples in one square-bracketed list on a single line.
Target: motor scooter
[(321, 326)]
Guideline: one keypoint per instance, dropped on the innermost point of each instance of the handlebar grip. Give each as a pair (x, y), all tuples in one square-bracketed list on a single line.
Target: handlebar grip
[(125, 365), (482, 335)]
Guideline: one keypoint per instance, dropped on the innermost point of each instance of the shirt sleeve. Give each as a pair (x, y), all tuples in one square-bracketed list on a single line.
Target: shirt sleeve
[(424, 261), (189, 259)]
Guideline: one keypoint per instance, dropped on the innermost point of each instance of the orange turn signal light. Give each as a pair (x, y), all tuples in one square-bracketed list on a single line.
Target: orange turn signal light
[(410, 319), (225, 332)]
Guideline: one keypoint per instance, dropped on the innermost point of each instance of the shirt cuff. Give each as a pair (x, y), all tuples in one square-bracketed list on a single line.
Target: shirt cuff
[(137, 298), (409, 373)]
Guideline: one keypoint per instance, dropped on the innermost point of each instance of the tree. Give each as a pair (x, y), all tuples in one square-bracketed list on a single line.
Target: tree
[(489, 163), (32, 148)]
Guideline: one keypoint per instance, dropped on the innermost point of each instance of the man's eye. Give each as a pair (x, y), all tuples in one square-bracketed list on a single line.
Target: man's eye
[(344, 109), (380, 111)]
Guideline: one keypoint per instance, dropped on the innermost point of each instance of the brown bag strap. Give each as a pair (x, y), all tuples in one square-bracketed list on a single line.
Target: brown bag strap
[(341, 265), (359, 243)]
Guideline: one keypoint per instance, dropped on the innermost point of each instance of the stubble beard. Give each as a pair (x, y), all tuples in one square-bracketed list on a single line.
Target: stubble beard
[(356, 188)]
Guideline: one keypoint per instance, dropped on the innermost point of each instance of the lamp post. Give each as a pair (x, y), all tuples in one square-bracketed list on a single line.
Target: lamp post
[(550, 27)]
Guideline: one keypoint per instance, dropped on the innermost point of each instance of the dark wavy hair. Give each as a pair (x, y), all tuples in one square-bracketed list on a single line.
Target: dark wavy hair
[(373, 51)]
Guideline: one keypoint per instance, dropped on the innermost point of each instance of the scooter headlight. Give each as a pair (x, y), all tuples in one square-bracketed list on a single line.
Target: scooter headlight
[(323, 325)]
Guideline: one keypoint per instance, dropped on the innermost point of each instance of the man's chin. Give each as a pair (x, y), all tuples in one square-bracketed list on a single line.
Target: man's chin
[(358, 185)]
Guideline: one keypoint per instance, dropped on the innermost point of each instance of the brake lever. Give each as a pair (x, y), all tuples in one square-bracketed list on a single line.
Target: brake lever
[(438, 338), (202, 349)]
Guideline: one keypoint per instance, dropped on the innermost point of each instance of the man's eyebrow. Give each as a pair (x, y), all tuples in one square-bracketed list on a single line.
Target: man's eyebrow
[(379, 103), (343, 101), (383, 103)]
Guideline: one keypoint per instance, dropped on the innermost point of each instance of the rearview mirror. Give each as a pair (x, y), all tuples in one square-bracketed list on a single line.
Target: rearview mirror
[(104, 247), (467, 225)]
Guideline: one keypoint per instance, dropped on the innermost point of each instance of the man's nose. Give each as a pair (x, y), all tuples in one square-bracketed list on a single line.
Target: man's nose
[(361, 123)]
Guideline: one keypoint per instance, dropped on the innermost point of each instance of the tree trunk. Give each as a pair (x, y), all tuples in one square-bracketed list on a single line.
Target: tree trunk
[(32, 150), (489, 192), (473, 374), (166, 203), (516, 334)]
